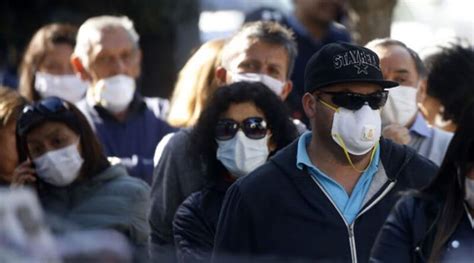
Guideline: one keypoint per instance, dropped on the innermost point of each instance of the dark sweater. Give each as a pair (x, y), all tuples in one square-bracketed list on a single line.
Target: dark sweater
[(279, 210), (133, 140), (408, 234), (195, 223)]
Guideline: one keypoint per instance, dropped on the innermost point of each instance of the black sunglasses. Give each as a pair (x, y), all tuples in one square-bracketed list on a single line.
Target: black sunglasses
[(47, 107), (253, 127), (355, 101)]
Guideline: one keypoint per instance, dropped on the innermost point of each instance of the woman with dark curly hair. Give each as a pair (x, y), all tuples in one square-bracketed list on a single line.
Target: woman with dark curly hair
[(436, 224), (243, 124)]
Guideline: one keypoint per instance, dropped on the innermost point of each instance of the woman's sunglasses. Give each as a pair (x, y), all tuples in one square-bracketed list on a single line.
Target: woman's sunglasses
[(355, 101), (253, 127)]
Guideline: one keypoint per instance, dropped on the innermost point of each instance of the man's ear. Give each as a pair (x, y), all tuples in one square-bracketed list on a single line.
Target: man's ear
[(422, 91), (80, 69), (309, 105), (221, 76), (286, 90)]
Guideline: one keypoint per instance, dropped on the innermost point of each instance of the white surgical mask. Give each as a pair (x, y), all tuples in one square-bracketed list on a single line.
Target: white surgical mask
[(68, 87), (59, 167), (115, 93), (241, 155), (274, 84), (401, 106), (357, 132), (469, 188)]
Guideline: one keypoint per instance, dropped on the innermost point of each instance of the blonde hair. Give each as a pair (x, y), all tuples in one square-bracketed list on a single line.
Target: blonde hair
[(196, 83), (11, 104)]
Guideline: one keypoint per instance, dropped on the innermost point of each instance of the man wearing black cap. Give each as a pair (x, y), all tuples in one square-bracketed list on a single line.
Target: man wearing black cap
[(326, 195)]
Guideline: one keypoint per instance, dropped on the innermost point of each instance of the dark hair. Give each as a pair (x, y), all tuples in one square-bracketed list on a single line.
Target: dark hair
[(95, 160), (266, 31), (386, 42), (203, 135), (449, 186), (44, 40), (451, 79)]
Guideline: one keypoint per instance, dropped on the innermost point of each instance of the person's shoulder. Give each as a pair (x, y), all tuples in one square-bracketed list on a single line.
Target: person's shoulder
[(339, 32), (413, 204), (190, 205), (117, 181), (179, 141), (405, 163)]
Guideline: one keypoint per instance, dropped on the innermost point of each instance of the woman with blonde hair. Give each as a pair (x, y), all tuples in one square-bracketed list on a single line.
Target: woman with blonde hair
[(196, 82)]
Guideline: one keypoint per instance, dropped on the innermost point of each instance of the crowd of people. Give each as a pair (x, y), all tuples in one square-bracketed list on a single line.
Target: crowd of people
[(284, 142)]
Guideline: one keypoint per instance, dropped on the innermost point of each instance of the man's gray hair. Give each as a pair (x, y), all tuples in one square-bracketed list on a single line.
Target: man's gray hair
[(266, 31), (90, 32)]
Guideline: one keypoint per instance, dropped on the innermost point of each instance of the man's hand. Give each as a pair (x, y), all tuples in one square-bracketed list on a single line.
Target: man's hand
[(397, 133)]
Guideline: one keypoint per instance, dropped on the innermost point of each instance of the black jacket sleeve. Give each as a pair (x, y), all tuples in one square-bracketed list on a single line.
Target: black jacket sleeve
[(395, 240), (193, 234), (234, 235)]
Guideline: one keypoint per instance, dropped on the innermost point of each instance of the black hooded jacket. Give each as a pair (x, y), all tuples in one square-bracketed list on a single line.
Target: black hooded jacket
[(279, 211)]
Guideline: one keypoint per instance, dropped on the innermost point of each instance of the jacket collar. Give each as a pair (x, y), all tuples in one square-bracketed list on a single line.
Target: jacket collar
[(393, 158), (136, 106)]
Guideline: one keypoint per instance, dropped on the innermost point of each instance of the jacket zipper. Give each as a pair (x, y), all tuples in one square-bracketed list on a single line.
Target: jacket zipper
[(382, 195), (350, 228)]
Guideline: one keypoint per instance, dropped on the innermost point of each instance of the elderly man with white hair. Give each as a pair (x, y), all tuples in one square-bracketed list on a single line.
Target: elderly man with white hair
[(108, 56)]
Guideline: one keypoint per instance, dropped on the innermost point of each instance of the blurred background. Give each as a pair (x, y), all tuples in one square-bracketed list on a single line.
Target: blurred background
[(171, 29)]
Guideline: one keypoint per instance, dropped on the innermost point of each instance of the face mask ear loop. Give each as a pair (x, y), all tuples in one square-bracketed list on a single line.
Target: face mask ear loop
[(327, 105), (348, 157)]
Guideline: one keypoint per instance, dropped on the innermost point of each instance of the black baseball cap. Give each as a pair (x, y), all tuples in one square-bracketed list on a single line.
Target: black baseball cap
[(343, 63)]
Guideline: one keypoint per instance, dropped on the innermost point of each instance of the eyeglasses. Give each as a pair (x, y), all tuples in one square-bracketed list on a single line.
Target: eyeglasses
[(355, 101), (253, 127), (47, 107)]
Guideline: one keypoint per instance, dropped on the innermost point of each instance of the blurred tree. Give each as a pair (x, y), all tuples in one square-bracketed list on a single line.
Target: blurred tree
[(371, 19)]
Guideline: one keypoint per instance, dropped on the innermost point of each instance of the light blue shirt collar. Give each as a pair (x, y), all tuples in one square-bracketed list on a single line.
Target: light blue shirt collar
[(349, 206), (421, 127)]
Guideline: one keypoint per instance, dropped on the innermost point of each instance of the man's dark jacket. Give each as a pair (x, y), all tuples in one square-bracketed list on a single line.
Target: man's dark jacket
[(280, 211)]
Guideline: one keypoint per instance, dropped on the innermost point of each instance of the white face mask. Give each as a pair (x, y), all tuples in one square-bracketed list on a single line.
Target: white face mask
[(469, 188), (401, 106), (67, 87), (115, 93), (274, 84), (241, 155), (59, 167), (358, 131)]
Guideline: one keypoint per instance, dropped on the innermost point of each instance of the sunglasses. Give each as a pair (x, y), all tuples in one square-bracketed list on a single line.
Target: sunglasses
[(355, 101), (47, 107), (254, 128)]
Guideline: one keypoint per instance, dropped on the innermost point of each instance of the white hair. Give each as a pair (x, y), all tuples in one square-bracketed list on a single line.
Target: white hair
[(90, 33)]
